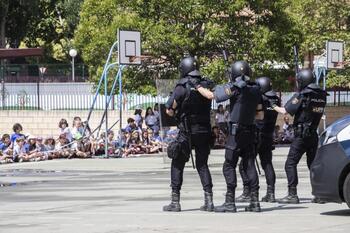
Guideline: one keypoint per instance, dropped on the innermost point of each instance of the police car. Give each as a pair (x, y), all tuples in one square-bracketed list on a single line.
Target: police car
[(330, 171)]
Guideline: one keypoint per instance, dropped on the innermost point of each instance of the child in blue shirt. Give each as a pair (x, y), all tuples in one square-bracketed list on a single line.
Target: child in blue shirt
[(5, 142), (5, 149), (17, 129)]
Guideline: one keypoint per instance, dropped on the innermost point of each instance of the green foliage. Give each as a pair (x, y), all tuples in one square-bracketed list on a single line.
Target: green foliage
[(282, 79), (258, 31), (253, 30), (321, 21), (42, 23), (338, 79)]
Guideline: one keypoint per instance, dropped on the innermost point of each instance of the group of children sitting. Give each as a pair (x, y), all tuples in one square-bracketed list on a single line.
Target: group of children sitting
[(137, 140), (79, 142), (71, 143)]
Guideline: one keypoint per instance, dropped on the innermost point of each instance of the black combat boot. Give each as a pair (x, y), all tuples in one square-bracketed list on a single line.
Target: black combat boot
[(291, 198), (208, 202), (174, 206), (245, 197), (270, 195), (254, 205), (318, 200), (229, 205)]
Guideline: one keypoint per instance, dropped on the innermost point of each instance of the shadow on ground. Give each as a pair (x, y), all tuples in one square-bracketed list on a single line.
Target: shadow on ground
[(337, 213)]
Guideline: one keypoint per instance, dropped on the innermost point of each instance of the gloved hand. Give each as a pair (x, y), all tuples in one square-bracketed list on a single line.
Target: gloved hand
[(240, 82), (195, 82), (207, 83), (273, 102)]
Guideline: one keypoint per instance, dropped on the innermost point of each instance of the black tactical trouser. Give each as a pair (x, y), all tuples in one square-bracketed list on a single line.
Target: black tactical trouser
[(299, 146), (241, 145), (201, 144), (264, 150)]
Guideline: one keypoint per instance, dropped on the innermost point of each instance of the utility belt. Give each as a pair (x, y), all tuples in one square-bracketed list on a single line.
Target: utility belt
[(234, 128), (197, 119), (304, 130), (185, 123)]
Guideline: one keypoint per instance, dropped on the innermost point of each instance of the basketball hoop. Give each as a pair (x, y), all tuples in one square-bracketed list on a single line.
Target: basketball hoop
[(129, 45), (335, 55), (340, 65), (136, 59)]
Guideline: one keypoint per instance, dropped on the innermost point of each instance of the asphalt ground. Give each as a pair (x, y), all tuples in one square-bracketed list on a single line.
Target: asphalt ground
[(127, 195)]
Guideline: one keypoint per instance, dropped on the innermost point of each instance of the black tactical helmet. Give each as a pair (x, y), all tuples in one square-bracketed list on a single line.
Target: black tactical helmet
[(189, 66), (240, 68), (264, 83), (304, 78)]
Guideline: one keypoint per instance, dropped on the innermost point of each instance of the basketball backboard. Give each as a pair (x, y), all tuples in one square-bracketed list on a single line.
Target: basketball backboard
[(335, 54), (129, 47)]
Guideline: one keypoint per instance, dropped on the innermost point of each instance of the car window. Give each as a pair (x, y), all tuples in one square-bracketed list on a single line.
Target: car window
[(334, 129), (338, 125), (344, 139)]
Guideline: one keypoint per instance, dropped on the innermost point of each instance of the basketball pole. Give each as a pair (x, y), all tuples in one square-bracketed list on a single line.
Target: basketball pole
[(108, 100), (121, 64), (105, 69), (120, 102), (110, 97), (321, 71)]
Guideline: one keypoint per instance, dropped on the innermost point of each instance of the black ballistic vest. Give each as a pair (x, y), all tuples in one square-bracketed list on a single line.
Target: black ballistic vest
[(313, 103), (267, 125), (243, 104), (194, 108)]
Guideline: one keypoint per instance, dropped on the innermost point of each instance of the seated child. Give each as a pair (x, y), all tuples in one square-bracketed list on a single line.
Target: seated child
[(49, 144), (62, 148), (63, 125), (5, 149), (17, 132), (19, 151)]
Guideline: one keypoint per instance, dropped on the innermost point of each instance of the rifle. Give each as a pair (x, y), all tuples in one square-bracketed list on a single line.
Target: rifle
[(296, 62), (188, 132), (258, 167), (227, 71), (256, 148)]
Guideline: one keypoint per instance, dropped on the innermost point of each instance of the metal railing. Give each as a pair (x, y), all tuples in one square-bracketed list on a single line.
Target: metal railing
[(80, 101), (25, 73), (79, 95)]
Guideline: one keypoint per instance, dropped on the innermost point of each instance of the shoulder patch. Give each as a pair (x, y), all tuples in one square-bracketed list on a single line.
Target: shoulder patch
[(228, 91), (295, 101)]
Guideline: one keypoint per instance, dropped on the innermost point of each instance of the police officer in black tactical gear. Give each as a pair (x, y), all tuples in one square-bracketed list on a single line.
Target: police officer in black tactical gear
[(192, 112), (307, 107), (245, 106), (264, 147)]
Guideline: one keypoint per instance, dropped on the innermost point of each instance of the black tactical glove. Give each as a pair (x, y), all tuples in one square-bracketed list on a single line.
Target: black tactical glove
[(273, 102), (207, 83), (240, 82), (194, 82)]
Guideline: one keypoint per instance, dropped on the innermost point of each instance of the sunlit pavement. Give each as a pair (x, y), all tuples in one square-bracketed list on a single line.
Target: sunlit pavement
[(127, 195)]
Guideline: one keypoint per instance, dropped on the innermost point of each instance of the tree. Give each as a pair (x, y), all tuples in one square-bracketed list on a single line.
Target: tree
[(257, 31), (338, 79), (4, 6), (321, 21), (39, 23)]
